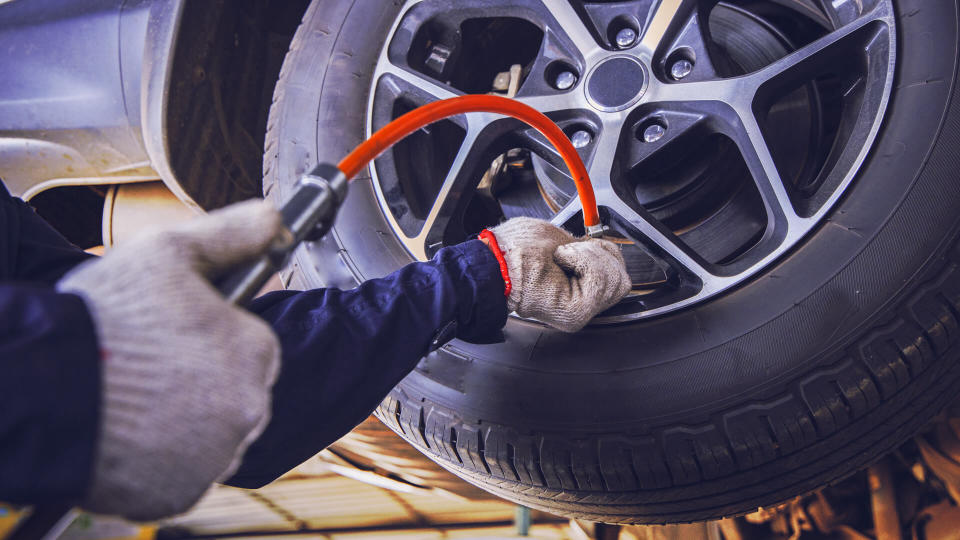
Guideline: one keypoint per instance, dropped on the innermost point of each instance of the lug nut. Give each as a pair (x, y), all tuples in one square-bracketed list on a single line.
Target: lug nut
[(653, 133), (565, 80), (680, 69), (626, 37), (581, 138)]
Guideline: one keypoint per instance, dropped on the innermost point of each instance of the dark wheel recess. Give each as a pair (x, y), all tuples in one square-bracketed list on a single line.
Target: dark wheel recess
[(784, 180)]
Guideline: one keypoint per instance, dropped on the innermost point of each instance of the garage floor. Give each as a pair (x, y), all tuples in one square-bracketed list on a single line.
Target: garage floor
[(311, 502)]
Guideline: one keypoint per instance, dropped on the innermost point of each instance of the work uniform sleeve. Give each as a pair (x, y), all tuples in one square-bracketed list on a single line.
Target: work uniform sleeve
[(50, 387), (49, 395), (343, 351)]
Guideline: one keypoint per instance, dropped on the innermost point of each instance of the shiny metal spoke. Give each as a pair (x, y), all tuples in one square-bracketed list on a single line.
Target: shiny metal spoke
[(753, 147), (571, 209), (680, 25), (571, 25), (554, 103), (640, 226), (805, 63), (716, 90), (417, 81), (462, 178), (600, 165), (802, 65), (660, 241)]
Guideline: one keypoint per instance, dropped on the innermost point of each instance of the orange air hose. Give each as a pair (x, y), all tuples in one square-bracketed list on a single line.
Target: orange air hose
[(438, 110)]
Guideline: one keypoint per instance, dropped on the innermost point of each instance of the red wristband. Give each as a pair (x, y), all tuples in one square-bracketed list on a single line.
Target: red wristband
[(495, 248)]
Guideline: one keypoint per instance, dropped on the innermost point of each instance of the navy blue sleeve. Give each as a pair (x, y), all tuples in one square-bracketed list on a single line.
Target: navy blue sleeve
[(49, 360), (343, 351), (49, 395)]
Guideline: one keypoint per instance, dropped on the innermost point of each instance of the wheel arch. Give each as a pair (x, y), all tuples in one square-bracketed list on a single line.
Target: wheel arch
[(207, 80)]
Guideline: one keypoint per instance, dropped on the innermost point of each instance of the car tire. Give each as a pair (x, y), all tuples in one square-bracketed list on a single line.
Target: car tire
[(833, 356)]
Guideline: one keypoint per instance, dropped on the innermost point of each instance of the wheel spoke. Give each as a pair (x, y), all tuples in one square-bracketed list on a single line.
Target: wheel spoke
[(534, 141), (752, 144), (552, 103), (598, 156), (600, 166), (794, 69), (717, 90), (459, 183), (418, 82), (567, 213), (807, 62), (570, 24), (646, 231)]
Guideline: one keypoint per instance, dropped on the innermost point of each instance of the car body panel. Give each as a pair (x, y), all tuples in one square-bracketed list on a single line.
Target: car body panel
[(72, 106)]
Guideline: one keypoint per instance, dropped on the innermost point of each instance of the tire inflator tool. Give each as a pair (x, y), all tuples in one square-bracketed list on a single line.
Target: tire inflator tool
[(310, 211)]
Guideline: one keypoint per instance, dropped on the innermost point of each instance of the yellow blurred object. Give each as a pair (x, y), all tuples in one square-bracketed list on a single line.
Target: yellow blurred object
[(85, 526), (9, 516)]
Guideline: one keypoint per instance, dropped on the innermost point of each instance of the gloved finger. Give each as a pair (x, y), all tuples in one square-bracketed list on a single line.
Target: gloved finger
[(242, 335), (611, 248), (598, 266), (226, 237), (545, 229), (579, 258)]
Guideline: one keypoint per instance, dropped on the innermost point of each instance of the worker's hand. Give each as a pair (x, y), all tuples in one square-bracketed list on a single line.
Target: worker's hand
[(186, 376), (558, 279)]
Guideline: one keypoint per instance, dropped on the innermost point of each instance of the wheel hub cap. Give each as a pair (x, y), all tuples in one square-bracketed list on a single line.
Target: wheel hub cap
[(617, 83)]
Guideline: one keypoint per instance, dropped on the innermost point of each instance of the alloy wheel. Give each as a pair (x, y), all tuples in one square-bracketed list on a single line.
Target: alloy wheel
[(717, 134)]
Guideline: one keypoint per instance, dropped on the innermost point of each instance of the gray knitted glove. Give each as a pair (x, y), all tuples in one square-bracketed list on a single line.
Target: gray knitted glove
[(186, 376), (558, 279)]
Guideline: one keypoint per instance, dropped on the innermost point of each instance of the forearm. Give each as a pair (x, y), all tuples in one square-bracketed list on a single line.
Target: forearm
[(49, 394), (344, 350)]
